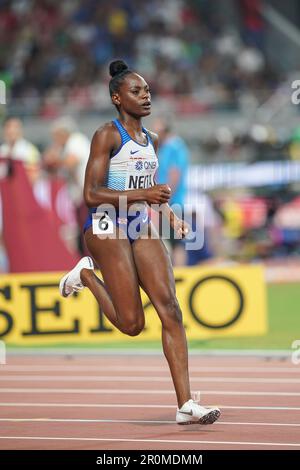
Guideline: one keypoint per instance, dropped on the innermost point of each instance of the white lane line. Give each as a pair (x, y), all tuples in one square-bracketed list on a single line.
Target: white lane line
[(163, 441), (122, 405), (133, 421), (123, 378), (143, 392), (100, 368)]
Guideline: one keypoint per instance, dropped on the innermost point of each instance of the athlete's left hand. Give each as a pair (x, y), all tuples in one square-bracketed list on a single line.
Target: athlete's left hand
[(180, 227)]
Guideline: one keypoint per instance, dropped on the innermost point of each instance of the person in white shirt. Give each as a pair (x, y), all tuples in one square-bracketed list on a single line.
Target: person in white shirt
[(68, 155), (18, 148)]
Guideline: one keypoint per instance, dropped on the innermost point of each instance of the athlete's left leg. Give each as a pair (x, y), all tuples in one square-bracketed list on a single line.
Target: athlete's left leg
[(155, 273)]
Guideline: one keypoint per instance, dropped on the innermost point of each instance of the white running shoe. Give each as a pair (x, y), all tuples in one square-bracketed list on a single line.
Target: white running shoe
[(192, 413), (71, 282)]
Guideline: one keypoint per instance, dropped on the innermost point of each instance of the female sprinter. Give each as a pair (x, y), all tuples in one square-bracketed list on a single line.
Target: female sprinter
[(122, 162)]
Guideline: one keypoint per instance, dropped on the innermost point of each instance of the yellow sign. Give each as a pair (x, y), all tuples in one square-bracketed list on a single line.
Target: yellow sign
[(215, 301)]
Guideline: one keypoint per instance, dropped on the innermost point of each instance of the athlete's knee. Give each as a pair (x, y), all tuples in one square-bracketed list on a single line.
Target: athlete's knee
[(133, 328), (170, 313)]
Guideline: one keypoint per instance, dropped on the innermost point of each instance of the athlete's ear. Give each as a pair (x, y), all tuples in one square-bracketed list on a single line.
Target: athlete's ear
[(116, 99)]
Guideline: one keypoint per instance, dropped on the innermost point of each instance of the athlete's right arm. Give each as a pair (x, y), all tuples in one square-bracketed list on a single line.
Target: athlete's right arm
[(104, 142)]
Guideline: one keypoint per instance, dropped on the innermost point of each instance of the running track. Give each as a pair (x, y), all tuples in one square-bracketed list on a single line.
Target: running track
[(127, 402)]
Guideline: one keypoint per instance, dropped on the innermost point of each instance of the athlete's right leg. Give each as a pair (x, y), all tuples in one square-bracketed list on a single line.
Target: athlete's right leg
[(119, 294)]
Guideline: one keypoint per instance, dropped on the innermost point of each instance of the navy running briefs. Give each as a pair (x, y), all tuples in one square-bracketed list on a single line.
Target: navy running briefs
[(124, 223)]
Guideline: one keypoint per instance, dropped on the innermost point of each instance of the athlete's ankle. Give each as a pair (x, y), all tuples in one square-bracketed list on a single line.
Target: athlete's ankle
[(183, 400)]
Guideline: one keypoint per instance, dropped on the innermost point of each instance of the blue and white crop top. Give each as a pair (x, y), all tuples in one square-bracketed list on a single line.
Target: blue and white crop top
[(133, 165)]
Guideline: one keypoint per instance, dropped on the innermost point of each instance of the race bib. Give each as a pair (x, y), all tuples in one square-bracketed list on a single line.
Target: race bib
[(102, 224)]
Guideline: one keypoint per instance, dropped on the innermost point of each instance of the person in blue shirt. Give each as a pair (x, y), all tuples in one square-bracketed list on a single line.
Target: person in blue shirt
[(173, 166), (173, 162)]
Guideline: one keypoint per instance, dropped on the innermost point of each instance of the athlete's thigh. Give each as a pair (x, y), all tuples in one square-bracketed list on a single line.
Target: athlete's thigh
[(115, 260), (155, 271)]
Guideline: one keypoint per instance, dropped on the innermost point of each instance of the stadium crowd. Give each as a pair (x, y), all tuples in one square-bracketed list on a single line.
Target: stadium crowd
[(54, 55)]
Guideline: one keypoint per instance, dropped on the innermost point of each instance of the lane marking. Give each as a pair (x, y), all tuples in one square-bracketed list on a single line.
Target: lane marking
[(212, 354), (164, 441), (123, 378), (122, 405), (68, 368), (133, 421), (142, 391)]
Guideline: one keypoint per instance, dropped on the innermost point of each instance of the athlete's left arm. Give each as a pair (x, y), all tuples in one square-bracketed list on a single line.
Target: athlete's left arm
[(178, 225)]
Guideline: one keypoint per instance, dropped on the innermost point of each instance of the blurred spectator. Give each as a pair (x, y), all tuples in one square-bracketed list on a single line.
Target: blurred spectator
[(252, 22), (67, 158), (68, 155), (294, 147), (173, 161), (205, 220), (16, 147), (173, 166)]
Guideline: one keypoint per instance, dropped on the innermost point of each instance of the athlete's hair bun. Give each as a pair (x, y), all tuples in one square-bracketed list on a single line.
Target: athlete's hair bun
[(116, 67)]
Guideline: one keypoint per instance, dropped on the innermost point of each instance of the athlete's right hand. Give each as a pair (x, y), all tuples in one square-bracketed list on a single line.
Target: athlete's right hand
[(158, 194)]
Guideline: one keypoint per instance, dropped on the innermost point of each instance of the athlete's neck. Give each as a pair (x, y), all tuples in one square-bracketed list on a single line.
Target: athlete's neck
[(129, 122)]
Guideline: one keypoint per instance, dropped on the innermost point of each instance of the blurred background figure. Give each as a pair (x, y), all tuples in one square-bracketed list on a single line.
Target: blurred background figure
[(67, 157), (207, 223), (16, 147), (173, 157)]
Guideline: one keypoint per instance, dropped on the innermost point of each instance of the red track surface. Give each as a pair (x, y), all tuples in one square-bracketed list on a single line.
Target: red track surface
[(127, 402)]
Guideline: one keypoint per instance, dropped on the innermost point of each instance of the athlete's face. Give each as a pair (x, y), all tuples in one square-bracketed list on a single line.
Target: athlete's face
[(134, 96)]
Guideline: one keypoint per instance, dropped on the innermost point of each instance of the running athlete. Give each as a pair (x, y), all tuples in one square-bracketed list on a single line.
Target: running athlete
[(123, 162)]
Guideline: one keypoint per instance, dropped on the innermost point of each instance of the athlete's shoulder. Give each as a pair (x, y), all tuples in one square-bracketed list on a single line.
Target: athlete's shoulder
[(106, 129), (107, 135)]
